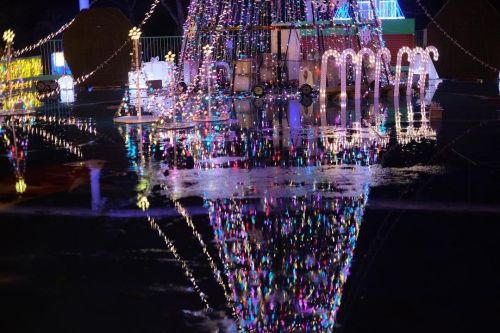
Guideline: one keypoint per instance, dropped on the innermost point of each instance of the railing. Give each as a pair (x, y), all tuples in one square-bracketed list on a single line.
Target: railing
[(160, 46), (151, 47), (46, 53)]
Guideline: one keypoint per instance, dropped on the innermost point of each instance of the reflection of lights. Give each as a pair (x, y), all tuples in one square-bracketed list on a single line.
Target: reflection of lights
[(143, 202), (216, 272), (301, 286), (21, 186), (187, 272)]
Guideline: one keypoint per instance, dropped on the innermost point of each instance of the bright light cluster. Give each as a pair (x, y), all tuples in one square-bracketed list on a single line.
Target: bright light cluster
[(22, 68), (8, 36), (135, 33), (422, 71), (170, 57)]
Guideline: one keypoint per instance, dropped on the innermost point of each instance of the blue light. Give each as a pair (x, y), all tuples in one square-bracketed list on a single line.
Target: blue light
[(386, 10)]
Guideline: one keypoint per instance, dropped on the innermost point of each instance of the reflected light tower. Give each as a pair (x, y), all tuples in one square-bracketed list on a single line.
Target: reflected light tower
[(95, 168)]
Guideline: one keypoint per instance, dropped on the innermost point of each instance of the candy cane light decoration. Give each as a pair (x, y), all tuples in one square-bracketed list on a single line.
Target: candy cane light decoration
[(343, 71), (324, 66), (382, 54), (359, 67), (421, 71), (431, 53), (402, 51)]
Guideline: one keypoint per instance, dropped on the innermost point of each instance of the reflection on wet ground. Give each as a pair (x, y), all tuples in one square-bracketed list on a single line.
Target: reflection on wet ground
[(253, 224)]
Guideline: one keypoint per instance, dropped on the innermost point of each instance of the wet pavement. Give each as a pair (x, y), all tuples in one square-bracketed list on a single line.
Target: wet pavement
[(288, 218)]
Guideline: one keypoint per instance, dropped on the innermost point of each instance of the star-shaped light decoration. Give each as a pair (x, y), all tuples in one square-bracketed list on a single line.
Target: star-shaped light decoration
[(207, 50), (170, 57), (8, 36), (135, 33)]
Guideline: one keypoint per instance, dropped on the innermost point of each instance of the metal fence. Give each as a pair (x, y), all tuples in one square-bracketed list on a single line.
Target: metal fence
[(151, 47), (46, 53), (159, 46)]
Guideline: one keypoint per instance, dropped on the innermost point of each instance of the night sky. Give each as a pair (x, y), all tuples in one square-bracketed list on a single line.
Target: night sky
[(32, 19)]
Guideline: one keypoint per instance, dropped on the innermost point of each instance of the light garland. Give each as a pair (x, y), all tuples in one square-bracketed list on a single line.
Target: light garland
[(148, 15), (48, 37), (454, 41), (44, 40)]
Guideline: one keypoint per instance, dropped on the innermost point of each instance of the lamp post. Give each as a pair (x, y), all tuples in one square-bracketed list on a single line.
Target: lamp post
[(8, 37), (135, 35)]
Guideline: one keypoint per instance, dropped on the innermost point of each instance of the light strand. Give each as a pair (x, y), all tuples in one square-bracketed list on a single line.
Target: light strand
[(43, 40), (454, 41)]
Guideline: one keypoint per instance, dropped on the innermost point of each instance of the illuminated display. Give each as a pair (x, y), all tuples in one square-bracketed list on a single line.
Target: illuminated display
[(22, 68), (385, 9)]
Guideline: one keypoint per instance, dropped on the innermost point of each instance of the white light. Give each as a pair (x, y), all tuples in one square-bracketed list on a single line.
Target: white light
[(59, 60)]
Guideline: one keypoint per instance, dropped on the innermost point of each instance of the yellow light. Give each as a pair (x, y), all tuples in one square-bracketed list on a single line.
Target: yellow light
[(21, 186), (8, 36), (135, 33), (22, 68), (142, 202), (170, 57)]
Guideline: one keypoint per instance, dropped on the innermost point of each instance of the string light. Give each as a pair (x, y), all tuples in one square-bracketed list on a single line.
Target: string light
[(216, 272), (455, 42), (44, 40)]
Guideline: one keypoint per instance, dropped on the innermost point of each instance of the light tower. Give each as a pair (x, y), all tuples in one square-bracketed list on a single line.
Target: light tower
[(282, 35)]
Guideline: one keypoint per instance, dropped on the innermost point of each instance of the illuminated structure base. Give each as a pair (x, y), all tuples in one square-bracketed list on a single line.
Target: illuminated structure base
[(210, 119), (8, 113), (135, 119), (175, 126)]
